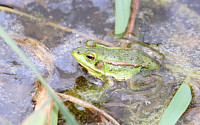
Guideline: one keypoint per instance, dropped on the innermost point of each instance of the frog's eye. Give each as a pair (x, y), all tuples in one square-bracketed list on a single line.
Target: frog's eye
[(90, 56), (91, 43)]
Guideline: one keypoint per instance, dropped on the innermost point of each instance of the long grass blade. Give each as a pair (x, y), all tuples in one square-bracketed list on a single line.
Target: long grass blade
[(177, 106), (122, 14)]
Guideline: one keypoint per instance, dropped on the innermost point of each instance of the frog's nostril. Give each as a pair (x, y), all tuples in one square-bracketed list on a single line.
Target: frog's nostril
[(78, 52)]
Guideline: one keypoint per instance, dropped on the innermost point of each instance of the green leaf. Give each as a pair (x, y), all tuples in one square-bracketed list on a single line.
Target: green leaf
[(36, 118), (54, 115), (65, 112), (177, 106), (122, 13)]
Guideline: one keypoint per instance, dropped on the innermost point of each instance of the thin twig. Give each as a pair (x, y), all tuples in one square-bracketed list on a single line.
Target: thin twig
[(80, 33), (89, 106), (131, 24), (3, 8)]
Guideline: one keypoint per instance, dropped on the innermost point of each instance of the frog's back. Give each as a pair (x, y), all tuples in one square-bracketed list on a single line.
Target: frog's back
[(113, 54), (120, 63), (124, 63), (123, 55)]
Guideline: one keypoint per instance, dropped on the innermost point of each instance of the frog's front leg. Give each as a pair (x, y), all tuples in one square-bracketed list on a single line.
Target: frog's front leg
[(109, 81)]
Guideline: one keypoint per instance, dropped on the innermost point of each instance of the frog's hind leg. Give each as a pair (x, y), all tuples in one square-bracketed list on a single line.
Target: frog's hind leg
[(145, 81)]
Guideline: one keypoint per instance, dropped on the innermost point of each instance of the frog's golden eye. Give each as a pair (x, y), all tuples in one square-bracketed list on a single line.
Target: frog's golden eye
[(90, 56)]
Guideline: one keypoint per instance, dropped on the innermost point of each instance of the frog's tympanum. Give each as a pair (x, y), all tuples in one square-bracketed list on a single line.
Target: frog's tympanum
[(120, 63)]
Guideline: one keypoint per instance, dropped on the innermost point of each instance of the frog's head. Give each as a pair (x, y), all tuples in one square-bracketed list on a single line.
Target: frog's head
[(87, 56)]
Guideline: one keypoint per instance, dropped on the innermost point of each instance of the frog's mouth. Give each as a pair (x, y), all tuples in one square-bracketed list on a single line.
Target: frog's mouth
[(91, 70)]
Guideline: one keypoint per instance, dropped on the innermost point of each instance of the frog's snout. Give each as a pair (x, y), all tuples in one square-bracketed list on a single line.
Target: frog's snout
[(75, 53)]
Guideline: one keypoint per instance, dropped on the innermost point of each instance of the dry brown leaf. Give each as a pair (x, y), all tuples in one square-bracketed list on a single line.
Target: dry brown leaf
[(38, 49)]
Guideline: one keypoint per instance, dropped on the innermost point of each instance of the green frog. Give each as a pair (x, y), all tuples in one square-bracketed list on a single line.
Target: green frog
[(120, 63), (121, 67)]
